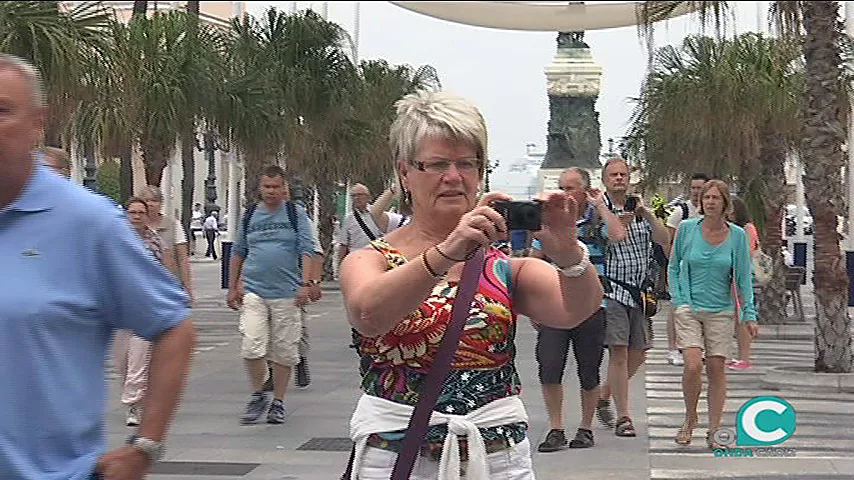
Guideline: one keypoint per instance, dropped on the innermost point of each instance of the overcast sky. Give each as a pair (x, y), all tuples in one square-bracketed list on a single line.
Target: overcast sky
[(501, 71)]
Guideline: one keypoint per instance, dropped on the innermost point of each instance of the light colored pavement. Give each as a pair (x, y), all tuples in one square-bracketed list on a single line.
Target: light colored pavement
[(823, 440), (206, 440)]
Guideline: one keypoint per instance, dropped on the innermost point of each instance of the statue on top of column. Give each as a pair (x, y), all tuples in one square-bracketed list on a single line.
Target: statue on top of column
[(571, 40)]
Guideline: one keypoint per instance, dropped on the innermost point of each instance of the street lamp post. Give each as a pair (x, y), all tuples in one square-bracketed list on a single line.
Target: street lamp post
[(210, 183)]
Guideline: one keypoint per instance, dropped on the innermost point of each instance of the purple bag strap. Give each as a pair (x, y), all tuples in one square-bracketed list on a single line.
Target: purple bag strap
[(418, 422)]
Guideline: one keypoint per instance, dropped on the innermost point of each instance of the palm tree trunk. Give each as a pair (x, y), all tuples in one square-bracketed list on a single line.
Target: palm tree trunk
[(154, 160), (126, 172), (823, 161), (188, 136), (254, 164), (188, 183), (771, 298), (326, 191), (139, 8)]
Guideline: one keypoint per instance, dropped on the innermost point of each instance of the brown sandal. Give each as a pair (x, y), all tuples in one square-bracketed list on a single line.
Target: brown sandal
[(625, 428), (683, 436)]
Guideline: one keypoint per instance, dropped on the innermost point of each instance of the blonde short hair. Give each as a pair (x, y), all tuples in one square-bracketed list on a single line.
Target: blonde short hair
[(724, 191), (435, 114), (151, 194)]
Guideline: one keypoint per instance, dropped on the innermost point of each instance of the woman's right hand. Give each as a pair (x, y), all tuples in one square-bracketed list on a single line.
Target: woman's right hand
[(480, 227)]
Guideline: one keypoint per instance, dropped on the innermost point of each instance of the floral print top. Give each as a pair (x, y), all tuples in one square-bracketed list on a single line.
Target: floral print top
[(153, 243), (482, 370)]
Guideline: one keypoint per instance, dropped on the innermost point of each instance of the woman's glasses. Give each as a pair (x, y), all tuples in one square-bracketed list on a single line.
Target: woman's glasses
[(441, 166)]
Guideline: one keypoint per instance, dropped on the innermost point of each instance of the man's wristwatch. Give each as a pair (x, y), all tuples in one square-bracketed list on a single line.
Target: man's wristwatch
[(574, 271), (154, 449), (311, 283)]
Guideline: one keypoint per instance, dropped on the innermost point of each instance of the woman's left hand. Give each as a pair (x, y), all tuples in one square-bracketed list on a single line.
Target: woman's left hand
[(558, 235), (752, 328)]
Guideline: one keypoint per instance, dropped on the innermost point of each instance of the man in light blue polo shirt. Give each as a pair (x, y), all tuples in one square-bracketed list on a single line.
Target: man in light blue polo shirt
[(270, 289), (73, 272)]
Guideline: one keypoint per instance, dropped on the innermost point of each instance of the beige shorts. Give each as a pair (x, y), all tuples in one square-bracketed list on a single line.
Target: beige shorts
[(271, 328), (711, 331)]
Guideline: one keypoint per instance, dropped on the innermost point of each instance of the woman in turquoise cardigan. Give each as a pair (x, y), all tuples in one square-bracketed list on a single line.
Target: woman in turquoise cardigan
[(709, 255)]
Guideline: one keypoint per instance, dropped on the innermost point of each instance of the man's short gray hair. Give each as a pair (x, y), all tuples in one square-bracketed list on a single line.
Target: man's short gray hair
[(584, 174), (613, 161), (435, 114), (30, 73)]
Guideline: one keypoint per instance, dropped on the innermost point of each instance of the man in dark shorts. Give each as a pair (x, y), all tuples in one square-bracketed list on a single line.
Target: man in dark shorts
[(596, 227)]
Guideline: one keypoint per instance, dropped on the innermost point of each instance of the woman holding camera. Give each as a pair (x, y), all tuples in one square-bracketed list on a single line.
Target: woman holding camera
[(709, 255), (399, 292)]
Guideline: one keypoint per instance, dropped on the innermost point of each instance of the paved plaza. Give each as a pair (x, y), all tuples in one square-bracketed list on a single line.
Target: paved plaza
[(206, 440)]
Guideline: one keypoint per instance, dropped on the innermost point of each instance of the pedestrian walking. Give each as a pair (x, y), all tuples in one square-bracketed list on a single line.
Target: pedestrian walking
[(366, 223), (196, 226), (596, 227), (211, 227), (132, 353), (627, 266), (271, 280), (172, 233), (74, 272), (399, 292), (740, 216), (709, 255)]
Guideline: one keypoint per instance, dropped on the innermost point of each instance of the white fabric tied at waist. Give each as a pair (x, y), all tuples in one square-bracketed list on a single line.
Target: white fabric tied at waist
[(376, 415)]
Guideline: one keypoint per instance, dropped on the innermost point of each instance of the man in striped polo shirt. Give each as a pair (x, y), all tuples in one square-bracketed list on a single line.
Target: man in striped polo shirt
[(597, 226)]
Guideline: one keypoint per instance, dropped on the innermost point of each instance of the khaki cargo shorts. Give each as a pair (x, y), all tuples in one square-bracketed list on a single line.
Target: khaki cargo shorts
[(271, 329), (711, 331)]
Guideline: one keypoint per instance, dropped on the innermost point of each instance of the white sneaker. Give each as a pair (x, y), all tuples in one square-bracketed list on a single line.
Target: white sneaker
[(674, 357), (133, 416)]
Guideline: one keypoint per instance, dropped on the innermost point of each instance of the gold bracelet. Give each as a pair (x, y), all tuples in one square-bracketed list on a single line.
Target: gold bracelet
[(428, 268)]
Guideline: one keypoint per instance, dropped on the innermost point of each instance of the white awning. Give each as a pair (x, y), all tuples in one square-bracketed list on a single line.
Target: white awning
[(537, 16)]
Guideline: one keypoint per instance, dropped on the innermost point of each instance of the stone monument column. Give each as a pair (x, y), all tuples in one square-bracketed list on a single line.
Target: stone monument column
[(573, 131)]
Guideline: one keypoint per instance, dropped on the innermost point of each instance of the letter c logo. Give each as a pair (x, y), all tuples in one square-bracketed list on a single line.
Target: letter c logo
[(765, 421)]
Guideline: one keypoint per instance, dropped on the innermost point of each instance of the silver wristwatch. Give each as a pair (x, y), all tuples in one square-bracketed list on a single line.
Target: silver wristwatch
[(154, 449), (574, 271)]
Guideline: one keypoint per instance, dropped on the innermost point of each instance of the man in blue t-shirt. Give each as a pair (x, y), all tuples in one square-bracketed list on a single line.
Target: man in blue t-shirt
[(597, 226), (62, 296), (277, 262)]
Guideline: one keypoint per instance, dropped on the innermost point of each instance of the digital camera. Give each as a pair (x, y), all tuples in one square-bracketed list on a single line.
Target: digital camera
[(520, 215), (631, 203)]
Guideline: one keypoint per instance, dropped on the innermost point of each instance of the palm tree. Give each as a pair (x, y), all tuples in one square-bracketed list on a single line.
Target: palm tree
[(731, 105), (821, 150), (60, 44), (292, 93), (382, 85), (105, 118), (173, 73), (250, 109)]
